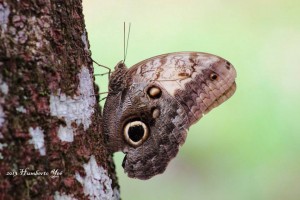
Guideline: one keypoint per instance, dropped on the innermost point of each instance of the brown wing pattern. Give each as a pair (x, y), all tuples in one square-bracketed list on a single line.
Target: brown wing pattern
[(186, 86), (186, 77)]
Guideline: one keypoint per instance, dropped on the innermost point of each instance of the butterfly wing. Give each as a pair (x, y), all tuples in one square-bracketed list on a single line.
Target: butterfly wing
[(159, 99), (187, 76)]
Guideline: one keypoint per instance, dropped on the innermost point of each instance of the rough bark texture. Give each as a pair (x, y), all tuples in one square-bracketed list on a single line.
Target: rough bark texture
[(49, 116)]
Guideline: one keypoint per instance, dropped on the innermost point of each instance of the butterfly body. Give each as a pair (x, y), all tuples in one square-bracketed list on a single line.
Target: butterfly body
[(151, 105)]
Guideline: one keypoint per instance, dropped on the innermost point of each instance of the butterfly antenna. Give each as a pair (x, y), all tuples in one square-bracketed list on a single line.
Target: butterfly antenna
[(124, 29), (127, 41)]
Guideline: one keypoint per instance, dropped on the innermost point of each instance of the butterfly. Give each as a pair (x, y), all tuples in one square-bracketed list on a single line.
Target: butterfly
[(150, 106)]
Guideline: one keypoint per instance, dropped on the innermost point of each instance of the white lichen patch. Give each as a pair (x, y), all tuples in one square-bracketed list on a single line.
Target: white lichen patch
[(21, 109), (63, 196), (96, 183), (4, 13), (2, 120), (78, 109), (1, 148), (84, 40), (65, 134), (116, 195), (4, 88), (37, 140)]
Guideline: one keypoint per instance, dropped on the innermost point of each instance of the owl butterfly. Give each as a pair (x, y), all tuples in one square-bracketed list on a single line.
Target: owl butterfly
[(150, 106)]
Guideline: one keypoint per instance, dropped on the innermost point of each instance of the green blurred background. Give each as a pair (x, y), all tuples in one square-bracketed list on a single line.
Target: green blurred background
[(246, 149)]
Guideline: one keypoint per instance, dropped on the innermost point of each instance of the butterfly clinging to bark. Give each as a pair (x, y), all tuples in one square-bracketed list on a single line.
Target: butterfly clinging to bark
[(151, 106)]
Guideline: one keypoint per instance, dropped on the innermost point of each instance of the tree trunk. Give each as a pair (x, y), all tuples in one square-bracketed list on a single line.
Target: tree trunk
[(51, 141)]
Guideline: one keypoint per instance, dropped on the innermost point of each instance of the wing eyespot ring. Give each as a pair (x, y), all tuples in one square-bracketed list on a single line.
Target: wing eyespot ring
[(213, 76), (154, 92), (135, 133), (228, 65), (155, 112)]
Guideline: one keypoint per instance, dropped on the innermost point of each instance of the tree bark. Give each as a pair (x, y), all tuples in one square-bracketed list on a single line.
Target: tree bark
[(51, 141)]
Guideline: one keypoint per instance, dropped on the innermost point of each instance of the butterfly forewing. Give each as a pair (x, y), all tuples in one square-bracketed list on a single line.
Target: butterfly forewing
[(185, 76)]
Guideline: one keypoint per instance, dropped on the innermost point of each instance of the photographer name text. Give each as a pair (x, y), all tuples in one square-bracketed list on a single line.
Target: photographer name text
[(54, 173)]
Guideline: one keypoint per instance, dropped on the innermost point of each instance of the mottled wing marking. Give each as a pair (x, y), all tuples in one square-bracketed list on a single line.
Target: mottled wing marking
[(168, 68), (168, 133), (181, 75)]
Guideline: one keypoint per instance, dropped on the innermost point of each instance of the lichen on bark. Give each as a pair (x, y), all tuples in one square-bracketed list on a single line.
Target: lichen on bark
[(45, 58)]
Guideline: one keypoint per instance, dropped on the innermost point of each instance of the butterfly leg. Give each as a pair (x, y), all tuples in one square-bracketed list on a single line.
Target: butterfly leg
[(109, 70)]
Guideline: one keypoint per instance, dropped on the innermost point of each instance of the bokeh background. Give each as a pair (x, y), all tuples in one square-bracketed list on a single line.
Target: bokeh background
[(247, 148)]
